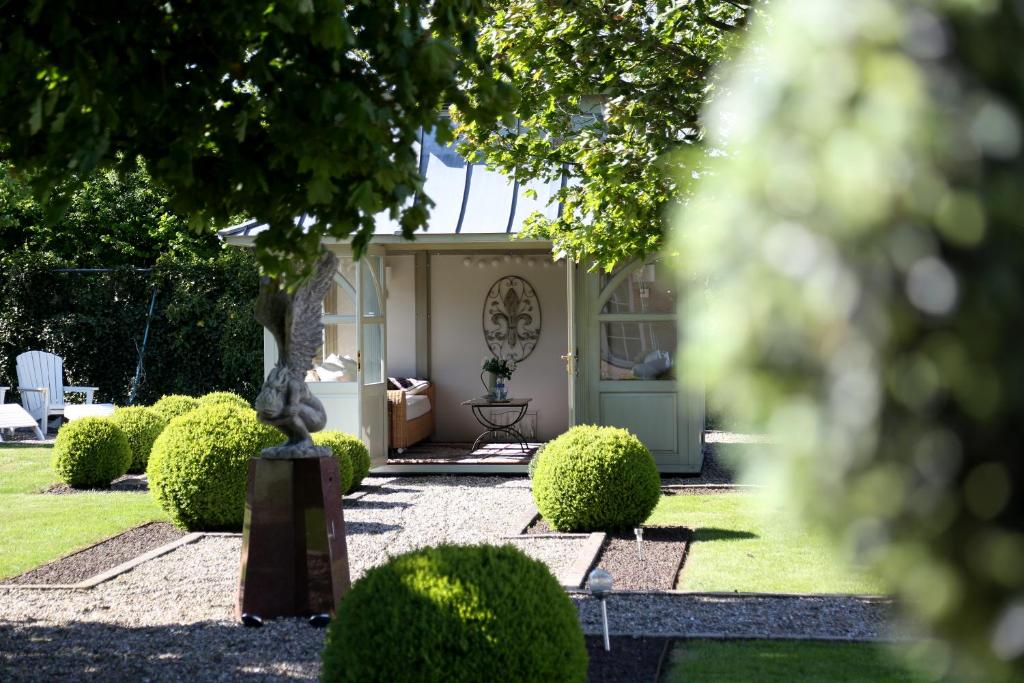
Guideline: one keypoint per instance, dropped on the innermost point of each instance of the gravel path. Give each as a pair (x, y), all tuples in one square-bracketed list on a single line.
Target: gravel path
[(172, 617)]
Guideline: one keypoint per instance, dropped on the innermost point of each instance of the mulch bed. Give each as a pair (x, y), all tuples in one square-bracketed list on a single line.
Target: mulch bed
[(129, 482), (636, 660), (664, 548), (105, 555)]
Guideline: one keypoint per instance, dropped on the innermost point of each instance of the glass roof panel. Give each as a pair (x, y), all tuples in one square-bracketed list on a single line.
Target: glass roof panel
[(445, 183), (489, 201)]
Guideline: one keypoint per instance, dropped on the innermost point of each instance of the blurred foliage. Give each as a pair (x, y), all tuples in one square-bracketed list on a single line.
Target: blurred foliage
[(272, 110), (606, 90), (862, 240)]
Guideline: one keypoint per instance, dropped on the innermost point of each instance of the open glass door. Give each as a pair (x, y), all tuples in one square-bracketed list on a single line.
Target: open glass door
[(571, 356), (372, 361)]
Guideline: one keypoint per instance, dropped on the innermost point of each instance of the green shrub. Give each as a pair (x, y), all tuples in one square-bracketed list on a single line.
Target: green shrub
[(141, 426), (531, 469), (360, 461), (456, 613), (596, 478), (223, 397), (199, 464), (174, 405), (342, 445), (90, 452)]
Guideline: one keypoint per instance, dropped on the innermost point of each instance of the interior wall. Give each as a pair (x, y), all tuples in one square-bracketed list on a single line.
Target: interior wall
[(457, 345), (401, 315)]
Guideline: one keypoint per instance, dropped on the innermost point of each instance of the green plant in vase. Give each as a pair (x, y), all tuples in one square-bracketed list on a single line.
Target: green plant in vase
[(495, 375)]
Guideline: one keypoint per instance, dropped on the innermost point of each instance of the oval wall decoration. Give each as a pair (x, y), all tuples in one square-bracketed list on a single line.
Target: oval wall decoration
[(511, 318)]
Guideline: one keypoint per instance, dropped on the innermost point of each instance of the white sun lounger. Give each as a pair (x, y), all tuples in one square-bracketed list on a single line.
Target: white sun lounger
[(13, 416)]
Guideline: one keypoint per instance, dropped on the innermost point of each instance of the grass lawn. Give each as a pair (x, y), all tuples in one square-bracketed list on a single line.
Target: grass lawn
[(743, 543), (771, 661), (37, 528)]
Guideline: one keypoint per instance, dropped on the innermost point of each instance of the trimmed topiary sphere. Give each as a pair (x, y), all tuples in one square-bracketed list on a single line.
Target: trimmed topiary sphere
[(199, 465), (223, 397), (342, 445), (360, 461), (531, 469), (141, 426), (90, 452), (174, 405), (596, 479), (456, 613)]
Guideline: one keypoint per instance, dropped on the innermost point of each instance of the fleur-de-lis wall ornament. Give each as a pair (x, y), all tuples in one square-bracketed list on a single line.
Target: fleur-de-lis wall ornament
[(511, 318)]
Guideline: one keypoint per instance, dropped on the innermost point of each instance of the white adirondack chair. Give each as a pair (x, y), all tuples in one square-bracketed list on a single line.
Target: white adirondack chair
[(41, 385)]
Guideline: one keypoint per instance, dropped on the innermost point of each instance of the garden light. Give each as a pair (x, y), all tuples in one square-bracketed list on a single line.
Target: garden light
[(600, 582)]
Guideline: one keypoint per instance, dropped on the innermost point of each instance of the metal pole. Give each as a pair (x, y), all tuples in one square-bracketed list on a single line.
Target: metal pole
[(142, 351), (604, 619)]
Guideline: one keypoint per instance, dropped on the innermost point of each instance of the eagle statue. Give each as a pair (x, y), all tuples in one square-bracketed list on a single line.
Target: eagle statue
[(295, 320)]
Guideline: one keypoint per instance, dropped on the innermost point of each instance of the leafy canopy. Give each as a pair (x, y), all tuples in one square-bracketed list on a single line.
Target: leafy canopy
[(607, 91), (271, 110)]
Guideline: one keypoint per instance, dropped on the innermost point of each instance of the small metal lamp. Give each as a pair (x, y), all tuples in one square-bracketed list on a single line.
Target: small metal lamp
[(600, 582)]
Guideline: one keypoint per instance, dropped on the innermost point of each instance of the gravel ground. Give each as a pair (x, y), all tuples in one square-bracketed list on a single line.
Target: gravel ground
[(740, 616), (172, 617)]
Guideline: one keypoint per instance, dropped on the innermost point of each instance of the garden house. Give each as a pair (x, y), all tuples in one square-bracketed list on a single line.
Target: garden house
[(589, 348)]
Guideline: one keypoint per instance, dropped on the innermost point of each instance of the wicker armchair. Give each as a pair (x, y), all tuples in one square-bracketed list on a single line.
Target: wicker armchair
[(404, 433)]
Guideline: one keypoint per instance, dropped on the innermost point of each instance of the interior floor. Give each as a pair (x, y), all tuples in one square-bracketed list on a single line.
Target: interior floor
[(427, 452)]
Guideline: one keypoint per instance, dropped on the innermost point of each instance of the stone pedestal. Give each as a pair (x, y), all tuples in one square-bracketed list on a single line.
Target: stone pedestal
[(294, 557)]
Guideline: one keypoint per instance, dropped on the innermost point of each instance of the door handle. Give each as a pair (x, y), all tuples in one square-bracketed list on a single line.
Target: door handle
[(359, 361), (570, 363)]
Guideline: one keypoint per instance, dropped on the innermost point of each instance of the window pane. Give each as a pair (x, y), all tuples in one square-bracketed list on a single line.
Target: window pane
[(336, 359), (373, 353), (638, 350), (648, 289), (371, 299), (339, 301)]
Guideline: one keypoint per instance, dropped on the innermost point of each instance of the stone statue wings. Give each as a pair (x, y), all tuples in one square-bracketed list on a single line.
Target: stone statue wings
[(295, 321)]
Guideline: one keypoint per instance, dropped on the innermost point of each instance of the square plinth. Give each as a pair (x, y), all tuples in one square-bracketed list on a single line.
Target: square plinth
[(294, 556)]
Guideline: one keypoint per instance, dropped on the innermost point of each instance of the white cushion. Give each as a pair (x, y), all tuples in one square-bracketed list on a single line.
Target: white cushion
[(74, 412), (416, 406), (326, 375)]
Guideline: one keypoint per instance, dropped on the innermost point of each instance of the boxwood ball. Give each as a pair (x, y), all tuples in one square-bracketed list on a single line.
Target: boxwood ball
[(141, 426), (175, 405), (596, 479), (453, 614), (199, 465), (90, 452)]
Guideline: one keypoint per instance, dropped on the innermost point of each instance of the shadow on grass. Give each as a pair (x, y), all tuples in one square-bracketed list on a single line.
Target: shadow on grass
[(714, 534)]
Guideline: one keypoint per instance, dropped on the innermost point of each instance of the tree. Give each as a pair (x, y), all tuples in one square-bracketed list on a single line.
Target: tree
[(273, 110), (863, 243), (609, 91), (126, 217)]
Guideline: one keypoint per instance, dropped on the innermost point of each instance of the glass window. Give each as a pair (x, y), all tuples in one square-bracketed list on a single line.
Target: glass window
[(650, 288), (338, 301), (638, 350), (371, 278), (336, 359), (373, 353)]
